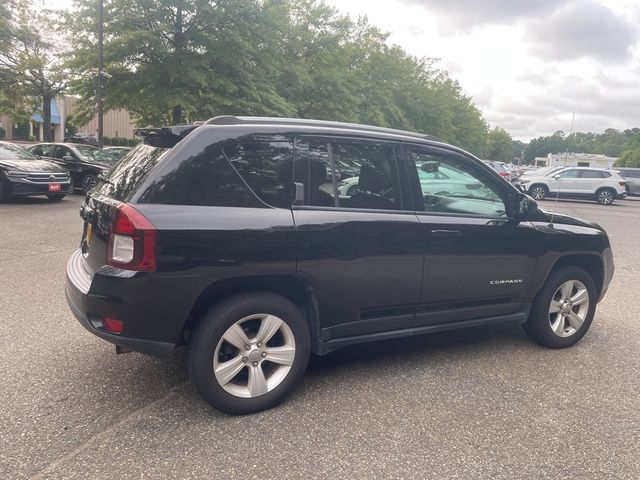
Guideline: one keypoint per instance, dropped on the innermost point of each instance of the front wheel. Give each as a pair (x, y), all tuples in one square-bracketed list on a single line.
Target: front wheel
[(605, 196), (538, 192), (88, 182), (563, 309), (248, 353)]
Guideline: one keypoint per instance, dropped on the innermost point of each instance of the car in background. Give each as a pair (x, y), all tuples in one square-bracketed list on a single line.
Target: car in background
[(632, 179), (117, 152), (24, 174), (544, 171), (84, 138), (604, 186), (501, 169), (85, 163)]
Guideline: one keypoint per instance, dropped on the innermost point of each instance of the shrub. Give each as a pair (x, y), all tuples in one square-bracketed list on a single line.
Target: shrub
[(3, 132)]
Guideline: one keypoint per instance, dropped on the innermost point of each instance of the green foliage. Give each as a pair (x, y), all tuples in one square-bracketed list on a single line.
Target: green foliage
[(106, 140), (630, 158), (171, 61), (21, 132), (31, 71), (3, 132), (500, 146)]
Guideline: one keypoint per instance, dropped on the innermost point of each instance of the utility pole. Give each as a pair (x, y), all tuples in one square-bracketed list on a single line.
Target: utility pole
[(100, 72)]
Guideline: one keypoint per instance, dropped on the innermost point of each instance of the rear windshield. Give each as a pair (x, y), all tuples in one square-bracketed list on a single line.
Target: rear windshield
[(125, 178), (14, 152)]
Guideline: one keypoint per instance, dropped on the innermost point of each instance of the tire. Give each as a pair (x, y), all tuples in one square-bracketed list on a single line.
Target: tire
[(353, 190), (605, 196), (56, 198), (538, 192), (240, 319), (88, 182), (557, 330)]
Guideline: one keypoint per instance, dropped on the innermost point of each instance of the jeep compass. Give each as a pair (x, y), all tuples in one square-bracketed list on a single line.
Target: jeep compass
[(235, 238)]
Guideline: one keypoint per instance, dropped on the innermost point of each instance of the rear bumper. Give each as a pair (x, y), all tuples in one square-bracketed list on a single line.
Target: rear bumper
[(83, 305)]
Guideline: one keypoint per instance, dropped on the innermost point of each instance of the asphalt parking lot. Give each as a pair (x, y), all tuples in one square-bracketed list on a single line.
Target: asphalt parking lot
[(476, 404)]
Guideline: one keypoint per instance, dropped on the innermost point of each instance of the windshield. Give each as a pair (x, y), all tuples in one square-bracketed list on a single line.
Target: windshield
[(94, 153), (9, 151)]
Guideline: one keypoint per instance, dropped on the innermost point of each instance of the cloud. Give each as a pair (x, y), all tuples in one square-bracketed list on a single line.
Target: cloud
[(466, 14), (550, 107), (581, 29)]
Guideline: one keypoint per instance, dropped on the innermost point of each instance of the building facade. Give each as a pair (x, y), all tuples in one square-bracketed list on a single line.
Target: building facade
[(117, 123), (575, 160)]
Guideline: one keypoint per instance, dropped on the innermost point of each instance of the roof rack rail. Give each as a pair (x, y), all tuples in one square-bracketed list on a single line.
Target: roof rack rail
[(242, 120)]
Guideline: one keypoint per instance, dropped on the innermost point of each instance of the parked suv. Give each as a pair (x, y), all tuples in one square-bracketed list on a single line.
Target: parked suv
[(632, 179), (234, 238), (604, 186)]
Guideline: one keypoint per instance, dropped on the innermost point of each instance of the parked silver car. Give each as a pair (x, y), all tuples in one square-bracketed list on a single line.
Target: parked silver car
[(632, 178)]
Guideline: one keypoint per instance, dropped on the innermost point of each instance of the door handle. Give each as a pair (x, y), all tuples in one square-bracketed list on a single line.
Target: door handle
[(446, 233)]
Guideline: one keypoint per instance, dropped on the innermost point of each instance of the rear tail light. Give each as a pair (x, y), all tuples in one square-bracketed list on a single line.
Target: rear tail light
[(503, 174), (112, 325), (132, 241)]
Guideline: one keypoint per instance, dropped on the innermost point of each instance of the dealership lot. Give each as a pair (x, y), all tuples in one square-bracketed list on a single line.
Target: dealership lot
[(481, 403)]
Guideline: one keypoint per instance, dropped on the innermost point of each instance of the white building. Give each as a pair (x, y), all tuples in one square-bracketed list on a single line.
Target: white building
[(580, 160)]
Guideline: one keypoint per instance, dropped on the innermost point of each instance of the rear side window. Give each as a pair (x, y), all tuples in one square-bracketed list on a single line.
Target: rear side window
[(590, 174), (205, 179), (267, 167)]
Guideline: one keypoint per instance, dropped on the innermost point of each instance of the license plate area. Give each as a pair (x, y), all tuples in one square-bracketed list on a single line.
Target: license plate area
[(55, 187)]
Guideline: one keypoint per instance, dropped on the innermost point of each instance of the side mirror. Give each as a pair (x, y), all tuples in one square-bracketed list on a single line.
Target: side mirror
[(527, 207), (68, 158), (557, 177)]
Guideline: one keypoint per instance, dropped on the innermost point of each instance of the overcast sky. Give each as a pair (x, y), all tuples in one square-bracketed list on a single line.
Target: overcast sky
[(528, 64)]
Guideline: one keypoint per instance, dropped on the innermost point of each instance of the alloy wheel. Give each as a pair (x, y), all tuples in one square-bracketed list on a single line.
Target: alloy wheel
[(88, 183), (254, 355), (569, 307), (605, 197), (538, 193)]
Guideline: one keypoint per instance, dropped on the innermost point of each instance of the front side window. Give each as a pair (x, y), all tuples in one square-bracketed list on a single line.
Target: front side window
[(347, 174), (61, 152), (267, 167), (448, 185)]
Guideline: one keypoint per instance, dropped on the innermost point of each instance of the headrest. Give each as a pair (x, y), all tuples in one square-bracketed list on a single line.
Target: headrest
[(371, 179)]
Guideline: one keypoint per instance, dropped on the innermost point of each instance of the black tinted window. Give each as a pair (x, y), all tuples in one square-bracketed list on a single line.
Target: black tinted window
[(590, 174), (206, 179), (350, 175), (267, 167)]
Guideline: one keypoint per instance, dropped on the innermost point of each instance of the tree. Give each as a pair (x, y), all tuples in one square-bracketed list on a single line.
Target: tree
[(630, 158), (500, 145), (31, 70)]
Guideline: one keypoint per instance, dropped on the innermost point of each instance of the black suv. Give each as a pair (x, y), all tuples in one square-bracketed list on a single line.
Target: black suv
[(237, 238)]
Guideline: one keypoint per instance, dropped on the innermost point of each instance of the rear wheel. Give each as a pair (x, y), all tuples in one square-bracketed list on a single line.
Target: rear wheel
[(563, 309), (605, 196), (55, 198), (248, 353), (538, 192)]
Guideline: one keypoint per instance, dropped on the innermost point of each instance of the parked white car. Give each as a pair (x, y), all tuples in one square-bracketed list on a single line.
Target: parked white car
[(604, 186)]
